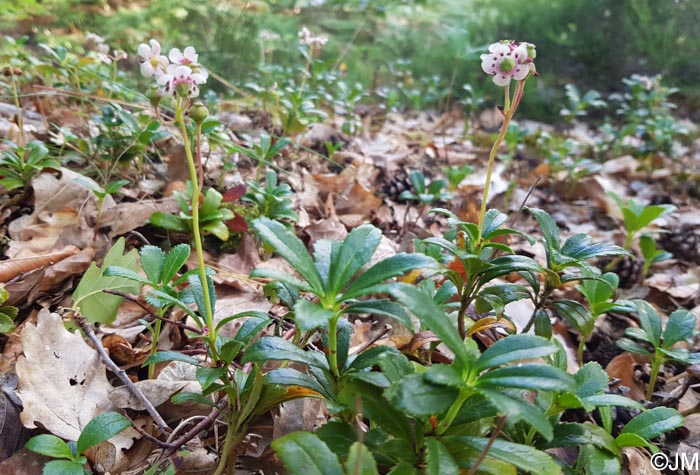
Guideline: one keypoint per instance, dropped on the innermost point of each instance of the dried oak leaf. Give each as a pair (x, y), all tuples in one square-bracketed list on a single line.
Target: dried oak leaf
[(62, 382)]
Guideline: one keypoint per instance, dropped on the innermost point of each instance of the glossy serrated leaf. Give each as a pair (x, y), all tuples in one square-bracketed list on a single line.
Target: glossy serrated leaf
[(102, 427), (537, 377), (438, 460), (415, 395), (310, 316), (175, 259), (291, 249), (355, 251), (63, 467), (514, 348), (520, 410), (152, 260), (432, 316), (49, 445), (680, 327), (574, 435), (654, 422), (279, 349), (393, 266), (382, 307), (526, 458), (360, 461), (304, 453), (293, 377)]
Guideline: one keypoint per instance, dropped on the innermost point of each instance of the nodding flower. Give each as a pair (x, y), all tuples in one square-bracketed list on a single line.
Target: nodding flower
[(178, 75), (152, 62)]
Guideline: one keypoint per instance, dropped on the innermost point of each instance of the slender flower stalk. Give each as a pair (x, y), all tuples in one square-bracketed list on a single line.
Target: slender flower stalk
[(196, 192), (505, 61)]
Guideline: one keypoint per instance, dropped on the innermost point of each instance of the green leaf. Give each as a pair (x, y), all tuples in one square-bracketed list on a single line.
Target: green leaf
[(282, 277), (438, 460), (152, 260), (175, 259), (514, 348), (520, 410), (596, 460), (49, 445), (163, 356), (432, 316), (184, 398), (339, 436), (538, 377), (63, 467), (89, 297), (114, 271), (304, 453), (393, 266), (631, 440), (603, 400), (581, 247), (654, 422), (680, 327), (576, 315), (279, 349), (417, 396), (291, 249), (360, 461), (383, 307), (198, 293), (525, 458), (357, 249), (102, 427), (293, 377), (310, 316), (550, 231), (575, 435), (7, 322), (208, 376), (649, 321), (169, 222), (444, 375)]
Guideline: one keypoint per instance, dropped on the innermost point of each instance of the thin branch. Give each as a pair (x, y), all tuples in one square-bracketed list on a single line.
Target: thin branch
[(121, 374), (196, 429), (132, 299), (485, 452)]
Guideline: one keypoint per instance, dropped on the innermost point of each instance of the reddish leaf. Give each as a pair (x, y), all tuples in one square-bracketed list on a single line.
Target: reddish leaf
[(234, 194), (238, 224)]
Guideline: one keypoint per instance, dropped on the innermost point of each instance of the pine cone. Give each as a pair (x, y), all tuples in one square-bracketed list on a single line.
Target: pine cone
[(396, 185), (628, 269), (683, 242)]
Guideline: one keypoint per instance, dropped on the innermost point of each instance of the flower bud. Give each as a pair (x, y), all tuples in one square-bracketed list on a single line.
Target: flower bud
[(198, 112), (182, 89), (531, 51), (154, 95)]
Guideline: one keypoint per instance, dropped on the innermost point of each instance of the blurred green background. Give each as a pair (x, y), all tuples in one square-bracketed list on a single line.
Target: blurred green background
[(423, 49)]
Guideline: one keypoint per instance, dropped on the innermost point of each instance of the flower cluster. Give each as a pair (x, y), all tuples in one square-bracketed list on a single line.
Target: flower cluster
[(509, 60), (101, 48), (308, 38), (177, 74)]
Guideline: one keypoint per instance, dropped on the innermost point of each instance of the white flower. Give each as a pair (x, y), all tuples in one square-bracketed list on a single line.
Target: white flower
[(266, 35), (152, 62), (506, 61), (119, 54), (189, 56), (180, 80), (308, 38)]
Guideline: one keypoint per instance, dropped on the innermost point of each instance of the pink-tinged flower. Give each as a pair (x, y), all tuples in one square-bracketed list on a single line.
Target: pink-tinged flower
[(152, 62), (184, 58), (179, 80), (308, 38), (508, 60)]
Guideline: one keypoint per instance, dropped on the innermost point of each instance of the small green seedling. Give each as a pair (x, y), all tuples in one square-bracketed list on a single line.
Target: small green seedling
[(600, 294), (101, 194), (212, 215), (8, 313), (69, 455), (578, 106), (19, 165), (272, 200), (161, 271), (262, 152), (423, 193), (651, 341), (637, 216), (651, 253), (455, 174)]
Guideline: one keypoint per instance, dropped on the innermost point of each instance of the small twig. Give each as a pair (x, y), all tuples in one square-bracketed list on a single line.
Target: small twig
[(527, 197), (131, 298), (485, 452), (196, 429), (374, 339), (121, 374)]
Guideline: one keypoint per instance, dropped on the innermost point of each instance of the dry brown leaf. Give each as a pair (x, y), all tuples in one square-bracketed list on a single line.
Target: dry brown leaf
[(126, 217), (622, 367), (62, 382), (157, 391), (637, 462), (11, 268)]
